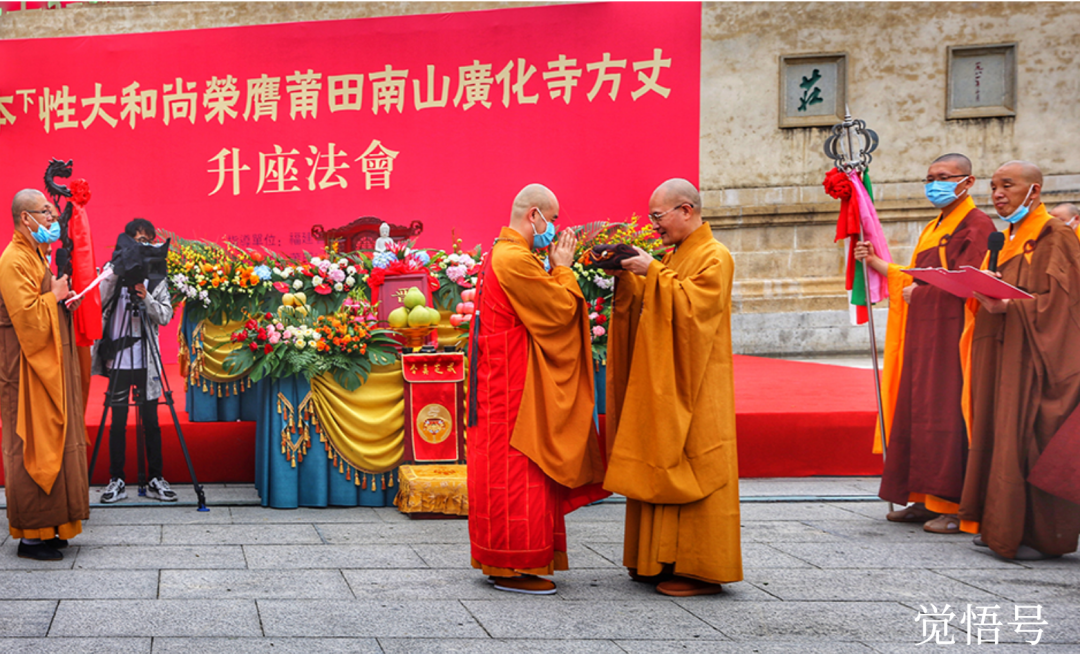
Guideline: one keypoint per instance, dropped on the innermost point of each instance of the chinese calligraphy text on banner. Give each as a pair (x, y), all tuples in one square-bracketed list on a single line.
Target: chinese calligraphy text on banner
[(254, 134)]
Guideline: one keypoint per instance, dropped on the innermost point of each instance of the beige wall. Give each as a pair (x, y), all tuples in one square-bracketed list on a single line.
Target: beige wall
[(761, 184)]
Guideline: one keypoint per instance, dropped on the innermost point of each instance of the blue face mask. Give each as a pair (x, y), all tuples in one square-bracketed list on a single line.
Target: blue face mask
[(941, 193), (541, 241), (46, 235), (1020, 212)]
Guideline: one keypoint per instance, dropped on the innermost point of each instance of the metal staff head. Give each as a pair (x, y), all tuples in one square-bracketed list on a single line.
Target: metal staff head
[(850, 144)]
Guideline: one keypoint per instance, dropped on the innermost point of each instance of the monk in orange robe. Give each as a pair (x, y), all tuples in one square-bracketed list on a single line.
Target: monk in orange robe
[(671, 405), (922, 378), (44, 438), (533, 452), (1023, 377)]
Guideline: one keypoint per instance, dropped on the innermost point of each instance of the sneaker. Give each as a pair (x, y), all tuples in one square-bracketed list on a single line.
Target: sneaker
[(158, 489), (114, 492)]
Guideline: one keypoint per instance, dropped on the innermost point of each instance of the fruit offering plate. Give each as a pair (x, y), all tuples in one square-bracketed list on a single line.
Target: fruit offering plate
[(415, 336)]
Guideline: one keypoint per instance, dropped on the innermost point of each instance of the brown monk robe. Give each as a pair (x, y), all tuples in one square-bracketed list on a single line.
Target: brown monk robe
[(1024, 378), (44, 438), (927, 439), (671, 405)]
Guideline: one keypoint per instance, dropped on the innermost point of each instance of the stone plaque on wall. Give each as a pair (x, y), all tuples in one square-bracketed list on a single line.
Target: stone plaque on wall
[(982, 81), (813, 90)]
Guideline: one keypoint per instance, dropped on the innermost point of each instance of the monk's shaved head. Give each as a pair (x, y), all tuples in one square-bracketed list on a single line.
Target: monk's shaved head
[(1067, 209), (534, 195), (1024, 170), (962, 163), (27, 199), (677, 191)]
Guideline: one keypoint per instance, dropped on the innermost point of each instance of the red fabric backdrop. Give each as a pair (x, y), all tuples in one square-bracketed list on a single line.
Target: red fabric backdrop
[(244, 133)]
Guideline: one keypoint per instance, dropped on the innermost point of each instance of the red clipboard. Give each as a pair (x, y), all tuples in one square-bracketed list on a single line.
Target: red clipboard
[(967, 281)]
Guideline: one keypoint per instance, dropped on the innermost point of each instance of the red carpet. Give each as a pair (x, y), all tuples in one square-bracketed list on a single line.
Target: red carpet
[(799, 419), (793, 419)]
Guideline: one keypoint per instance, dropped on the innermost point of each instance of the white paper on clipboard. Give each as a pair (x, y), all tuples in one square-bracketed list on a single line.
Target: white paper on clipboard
[(105, 272)]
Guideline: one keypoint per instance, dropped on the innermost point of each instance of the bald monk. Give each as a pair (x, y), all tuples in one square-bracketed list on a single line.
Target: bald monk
[(925, 430), (533, 453), (1069, 214), (44, 439), (1024, 377), (671, 405)]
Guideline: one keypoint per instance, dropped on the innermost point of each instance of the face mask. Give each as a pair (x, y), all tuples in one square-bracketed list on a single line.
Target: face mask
[(941, 193), (541, 241), (49, 235), (1020, 212)]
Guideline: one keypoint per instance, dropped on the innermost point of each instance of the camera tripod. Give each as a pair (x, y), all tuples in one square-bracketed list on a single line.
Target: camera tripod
[(151, 359)]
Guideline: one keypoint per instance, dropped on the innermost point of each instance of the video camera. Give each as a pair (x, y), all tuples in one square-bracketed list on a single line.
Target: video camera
[(134, 262)]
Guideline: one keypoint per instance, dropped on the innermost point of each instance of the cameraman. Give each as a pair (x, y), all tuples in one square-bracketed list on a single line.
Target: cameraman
[(122, 356)]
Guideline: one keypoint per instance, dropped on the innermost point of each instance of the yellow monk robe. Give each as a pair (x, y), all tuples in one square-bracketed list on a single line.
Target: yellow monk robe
[(44, 437), (533, 454), (671, 414), (947, 241)]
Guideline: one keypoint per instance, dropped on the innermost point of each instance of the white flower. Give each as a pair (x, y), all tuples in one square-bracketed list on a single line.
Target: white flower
[(288, 271), (316, 280), (316, 261), (339, 287), (342, 262), (350, 280), (351, 270), (298, 284)]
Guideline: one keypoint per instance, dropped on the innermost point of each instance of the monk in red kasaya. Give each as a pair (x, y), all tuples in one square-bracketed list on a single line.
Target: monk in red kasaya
[(533, 453)]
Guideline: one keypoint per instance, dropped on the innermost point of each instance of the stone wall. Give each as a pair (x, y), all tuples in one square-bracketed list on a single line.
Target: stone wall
[(762, 184)]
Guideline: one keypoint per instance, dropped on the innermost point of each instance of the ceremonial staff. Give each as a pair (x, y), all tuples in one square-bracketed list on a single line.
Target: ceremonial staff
[(849, 146)]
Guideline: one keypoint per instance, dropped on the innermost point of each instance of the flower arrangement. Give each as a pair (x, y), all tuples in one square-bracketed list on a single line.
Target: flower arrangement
[(326, 280), (216, 282), (456, 272), (291, 342), (401, 259)]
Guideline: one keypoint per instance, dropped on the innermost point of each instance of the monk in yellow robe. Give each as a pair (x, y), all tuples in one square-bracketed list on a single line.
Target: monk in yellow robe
[(671, 405), (44, 438), (534, 453), (922, 379), (1023, 378)]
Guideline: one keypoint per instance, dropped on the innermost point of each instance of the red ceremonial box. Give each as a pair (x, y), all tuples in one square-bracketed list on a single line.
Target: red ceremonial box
[(434, 407), (393, 289)]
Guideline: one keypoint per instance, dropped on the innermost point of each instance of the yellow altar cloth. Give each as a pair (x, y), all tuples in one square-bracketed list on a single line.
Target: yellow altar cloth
[(432, 489)]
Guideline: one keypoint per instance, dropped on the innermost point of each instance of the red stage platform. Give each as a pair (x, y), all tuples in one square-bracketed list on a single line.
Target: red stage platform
[(793, 419)]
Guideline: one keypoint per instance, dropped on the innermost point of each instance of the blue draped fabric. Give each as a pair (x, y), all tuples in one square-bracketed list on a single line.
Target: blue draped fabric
[(314, 481), (206, 406)]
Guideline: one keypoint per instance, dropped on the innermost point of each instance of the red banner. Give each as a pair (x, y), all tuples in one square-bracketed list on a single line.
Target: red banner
[(254, 134)]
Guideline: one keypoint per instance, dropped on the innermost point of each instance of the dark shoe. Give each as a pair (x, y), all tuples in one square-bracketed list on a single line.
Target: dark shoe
[(39, 552), (649, 579), (114, 492), (684, 587), (979, 542), (57, 543)]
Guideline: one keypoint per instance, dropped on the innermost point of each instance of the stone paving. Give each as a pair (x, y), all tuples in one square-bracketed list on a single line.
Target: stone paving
[(824, 572)]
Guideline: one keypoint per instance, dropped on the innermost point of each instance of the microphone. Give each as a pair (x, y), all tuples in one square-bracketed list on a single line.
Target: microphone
[(994, 243), (63, 260)]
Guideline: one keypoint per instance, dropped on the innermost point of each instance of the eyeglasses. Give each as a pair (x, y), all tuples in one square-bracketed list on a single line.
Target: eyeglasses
[(655, 216), (942, 178), (48, 211)]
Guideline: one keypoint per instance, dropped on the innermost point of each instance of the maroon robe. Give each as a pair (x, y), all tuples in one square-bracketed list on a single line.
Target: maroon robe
[(928, 438)]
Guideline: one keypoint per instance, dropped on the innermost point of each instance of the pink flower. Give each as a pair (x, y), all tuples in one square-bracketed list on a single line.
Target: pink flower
[(275, 338), (598, 331), (337, 276)]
